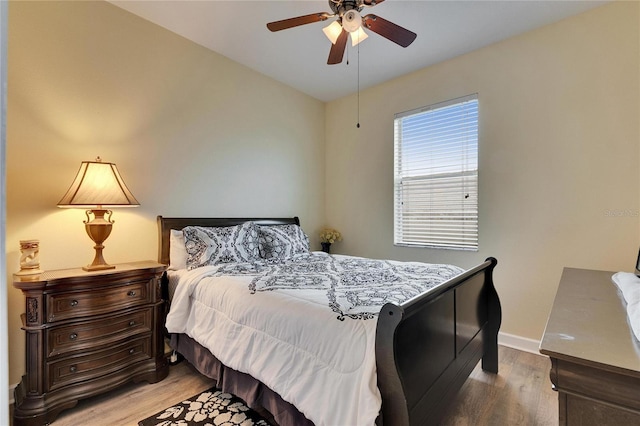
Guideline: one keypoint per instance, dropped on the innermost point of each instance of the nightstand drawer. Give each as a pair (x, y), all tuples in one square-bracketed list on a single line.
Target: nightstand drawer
[(61, 306), (90, 334), (98, 364)]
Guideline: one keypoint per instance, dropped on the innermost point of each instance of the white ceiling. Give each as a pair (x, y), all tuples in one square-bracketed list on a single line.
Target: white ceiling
[(298, 56)]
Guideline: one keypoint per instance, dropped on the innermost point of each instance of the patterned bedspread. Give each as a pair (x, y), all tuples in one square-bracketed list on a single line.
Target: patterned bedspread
[(276, 321), (355, 288)]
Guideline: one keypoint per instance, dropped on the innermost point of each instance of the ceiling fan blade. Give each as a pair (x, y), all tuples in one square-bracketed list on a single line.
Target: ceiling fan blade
[(300, 20), (337, 50), (389, 30), (372, 2)]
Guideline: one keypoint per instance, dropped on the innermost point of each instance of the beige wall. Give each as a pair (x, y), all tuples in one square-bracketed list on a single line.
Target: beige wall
[(192, 133), (196, 134), (559, 147)]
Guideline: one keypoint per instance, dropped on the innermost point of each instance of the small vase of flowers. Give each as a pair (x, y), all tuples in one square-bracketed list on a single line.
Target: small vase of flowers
[(329, 236)]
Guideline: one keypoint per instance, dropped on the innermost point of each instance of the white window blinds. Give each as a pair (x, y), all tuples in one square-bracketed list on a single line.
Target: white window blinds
[(436, 175)]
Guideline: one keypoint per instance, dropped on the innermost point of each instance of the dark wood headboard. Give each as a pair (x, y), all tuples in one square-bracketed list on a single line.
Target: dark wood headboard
[(166, 224)]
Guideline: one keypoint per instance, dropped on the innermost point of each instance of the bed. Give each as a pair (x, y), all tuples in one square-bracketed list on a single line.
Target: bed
[(422, 349)]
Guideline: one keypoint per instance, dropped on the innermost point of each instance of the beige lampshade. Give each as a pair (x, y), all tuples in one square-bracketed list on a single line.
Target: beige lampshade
[(98, 184)]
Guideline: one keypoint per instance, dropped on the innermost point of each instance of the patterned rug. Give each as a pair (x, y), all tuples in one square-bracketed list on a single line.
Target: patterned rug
[(212, 407)]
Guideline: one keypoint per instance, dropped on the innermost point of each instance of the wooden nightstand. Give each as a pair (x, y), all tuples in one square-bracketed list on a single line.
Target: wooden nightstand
[(86, 333)]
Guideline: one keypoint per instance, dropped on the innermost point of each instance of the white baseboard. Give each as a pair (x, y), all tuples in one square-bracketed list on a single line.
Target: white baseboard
[(520, 343)]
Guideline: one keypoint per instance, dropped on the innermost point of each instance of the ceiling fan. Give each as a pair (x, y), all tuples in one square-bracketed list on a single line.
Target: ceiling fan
[(349, 22)]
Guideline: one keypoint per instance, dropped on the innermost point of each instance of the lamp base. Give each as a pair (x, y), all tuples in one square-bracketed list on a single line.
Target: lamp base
[(97, 267), (98, 229)]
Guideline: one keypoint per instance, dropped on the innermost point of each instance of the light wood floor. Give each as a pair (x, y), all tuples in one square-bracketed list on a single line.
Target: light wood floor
[(520, 394)]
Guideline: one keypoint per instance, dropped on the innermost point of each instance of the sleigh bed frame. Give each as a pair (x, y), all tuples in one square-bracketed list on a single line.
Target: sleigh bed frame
[(426, 347)]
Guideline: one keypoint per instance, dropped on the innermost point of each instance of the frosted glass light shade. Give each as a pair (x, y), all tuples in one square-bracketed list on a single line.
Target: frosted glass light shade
[(357, 36), (333, 31), (351, 21)]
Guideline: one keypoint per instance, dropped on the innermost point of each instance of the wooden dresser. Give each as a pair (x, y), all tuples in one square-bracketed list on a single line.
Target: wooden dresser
[(86, 333), (595, 359)]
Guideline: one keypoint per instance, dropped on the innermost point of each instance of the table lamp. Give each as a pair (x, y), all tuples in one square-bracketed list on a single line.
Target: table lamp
[(97, 187)]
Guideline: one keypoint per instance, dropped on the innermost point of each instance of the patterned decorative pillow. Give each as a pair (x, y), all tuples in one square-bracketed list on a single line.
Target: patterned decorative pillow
[(282, 241), (211, 246)]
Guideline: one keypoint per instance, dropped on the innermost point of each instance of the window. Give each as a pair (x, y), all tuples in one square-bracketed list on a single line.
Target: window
[(436, 175)]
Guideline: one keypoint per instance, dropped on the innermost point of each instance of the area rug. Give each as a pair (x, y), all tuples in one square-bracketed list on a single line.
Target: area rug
[(211, 407)]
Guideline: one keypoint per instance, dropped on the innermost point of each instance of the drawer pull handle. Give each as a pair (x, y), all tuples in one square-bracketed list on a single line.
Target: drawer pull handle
[(132, 323), (131, 293), (131, 351), (73, 303), (73, 336), (73, 369)]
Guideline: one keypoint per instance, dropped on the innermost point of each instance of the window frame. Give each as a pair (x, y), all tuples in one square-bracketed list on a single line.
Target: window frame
[(456, 227)]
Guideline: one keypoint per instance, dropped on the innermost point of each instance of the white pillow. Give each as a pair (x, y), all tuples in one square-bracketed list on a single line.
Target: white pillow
[(177, 251)]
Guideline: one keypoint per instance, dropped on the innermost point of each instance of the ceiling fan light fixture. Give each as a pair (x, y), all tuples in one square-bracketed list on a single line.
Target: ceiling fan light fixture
[(358, 36), (351, 21), (333, 31)]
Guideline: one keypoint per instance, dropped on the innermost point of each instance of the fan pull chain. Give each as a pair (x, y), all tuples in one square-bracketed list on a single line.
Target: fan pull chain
[(358, 84), (358, 108)]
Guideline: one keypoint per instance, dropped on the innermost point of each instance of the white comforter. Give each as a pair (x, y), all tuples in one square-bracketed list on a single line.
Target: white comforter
[(325, 366)]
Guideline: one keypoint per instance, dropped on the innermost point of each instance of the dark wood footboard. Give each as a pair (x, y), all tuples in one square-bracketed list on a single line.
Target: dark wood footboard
[(427, 347)]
